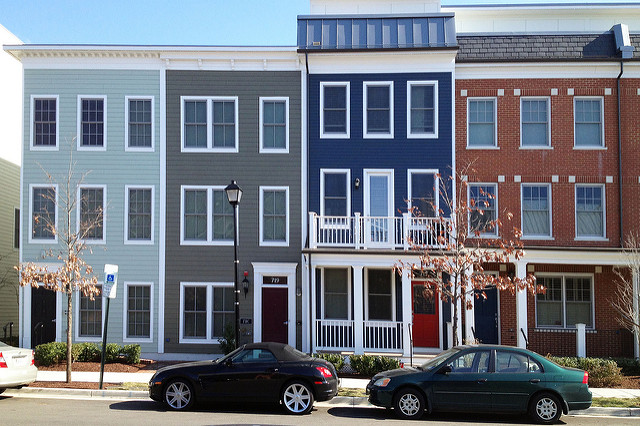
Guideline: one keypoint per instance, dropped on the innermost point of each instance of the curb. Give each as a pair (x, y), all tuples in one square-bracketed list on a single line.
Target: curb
[(82, 393)]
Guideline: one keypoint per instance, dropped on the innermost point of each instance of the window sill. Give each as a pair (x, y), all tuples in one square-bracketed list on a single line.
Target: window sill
[(92, 148), (589, 148), (95, 242), (215, 341), (422, 136), (483, 147), (81, 339), (139, 242), (533, 148), (482, 236), (593, 239), (562, 330), (377, 136), (137, 339), (274, 244), (274, 150), (334, 136), (187, 150), (138, 149), (537, 237), (44, 148), (206, 243)]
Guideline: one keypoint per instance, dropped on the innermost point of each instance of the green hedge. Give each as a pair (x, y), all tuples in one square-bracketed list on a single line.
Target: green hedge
[(55, 352), (602, 372), (629, 366), (336, 359), (370, 365)]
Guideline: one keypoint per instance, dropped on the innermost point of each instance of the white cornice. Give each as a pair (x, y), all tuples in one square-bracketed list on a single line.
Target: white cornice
[(530, 70)]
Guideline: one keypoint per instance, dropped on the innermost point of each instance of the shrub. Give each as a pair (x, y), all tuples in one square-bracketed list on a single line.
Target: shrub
[(370, 365), (50, 353), (131, 354), (629, 366), (112, 353), (228, 340), (602, 372), (336, 359), (85, 352)]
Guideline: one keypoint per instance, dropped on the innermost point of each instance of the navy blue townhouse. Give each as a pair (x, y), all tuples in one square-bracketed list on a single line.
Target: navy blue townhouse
[(380, 139)]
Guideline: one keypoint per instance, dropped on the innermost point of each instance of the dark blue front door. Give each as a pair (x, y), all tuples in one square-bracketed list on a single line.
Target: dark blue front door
[(486, 317)]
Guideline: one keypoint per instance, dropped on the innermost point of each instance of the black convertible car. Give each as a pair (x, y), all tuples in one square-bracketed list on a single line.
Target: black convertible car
[(256, 372)]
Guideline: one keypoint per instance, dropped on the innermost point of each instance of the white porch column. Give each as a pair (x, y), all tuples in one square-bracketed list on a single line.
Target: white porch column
[(407, 311), (469, 314), (521, 306), (304, 286), (636, 339), (358, 309), (312, 291), (459, 328)]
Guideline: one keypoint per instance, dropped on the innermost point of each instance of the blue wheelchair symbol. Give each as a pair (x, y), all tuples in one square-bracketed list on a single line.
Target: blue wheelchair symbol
[(110, 278)]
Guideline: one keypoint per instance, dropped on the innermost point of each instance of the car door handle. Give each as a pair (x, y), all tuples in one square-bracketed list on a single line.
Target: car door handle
[(482, 380), (272, 370), (535, 380)]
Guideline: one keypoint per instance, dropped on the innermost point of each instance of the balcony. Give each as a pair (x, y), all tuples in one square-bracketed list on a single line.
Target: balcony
[(367, 232), (377, 336)]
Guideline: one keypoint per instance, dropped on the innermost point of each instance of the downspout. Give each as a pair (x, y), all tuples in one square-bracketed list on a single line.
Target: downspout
[(311, 289), (620, 156)]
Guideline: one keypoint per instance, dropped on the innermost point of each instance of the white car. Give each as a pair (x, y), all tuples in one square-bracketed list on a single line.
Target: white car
[(16, 367)]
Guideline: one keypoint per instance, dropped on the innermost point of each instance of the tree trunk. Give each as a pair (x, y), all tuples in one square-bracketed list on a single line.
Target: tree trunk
[(69, 335)]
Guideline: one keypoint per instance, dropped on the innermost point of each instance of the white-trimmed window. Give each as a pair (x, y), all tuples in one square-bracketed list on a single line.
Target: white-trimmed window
[(138, 315), (274, 125), (378, 109), (422, 109), (590, 212), (139, 129), (482, 131), (89, 316), (45, 117), (139, 214), (535, 122), (206, 216), (483, 202), (567, 301), (335, 192), (588, 125), (336, 290), (380, 295), (536, 210), (423, 190), (43, 213), (205, 311), (91, 218), (209, 123), (274, 215), (92, 123), (335, 110)]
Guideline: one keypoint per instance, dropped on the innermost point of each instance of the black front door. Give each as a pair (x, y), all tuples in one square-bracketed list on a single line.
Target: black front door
[(43, 316), (486, 317)]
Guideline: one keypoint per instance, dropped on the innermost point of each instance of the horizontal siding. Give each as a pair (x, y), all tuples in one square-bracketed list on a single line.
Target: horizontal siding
[(9, 201)]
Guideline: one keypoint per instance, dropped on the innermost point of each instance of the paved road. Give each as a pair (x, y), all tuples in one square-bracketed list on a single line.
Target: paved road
[(29, 411)]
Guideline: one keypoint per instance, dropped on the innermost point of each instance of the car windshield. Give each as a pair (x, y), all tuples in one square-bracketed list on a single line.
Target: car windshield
[(438, 359), (228, 356)]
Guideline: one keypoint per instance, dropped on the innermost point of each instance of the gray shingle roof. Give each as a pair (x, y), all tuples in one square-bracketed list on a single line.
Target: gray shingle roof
[(537, 47)]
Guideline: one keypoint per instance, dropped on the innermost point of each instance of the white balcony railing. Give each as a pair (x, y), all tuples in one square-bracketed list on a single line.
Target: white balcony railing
[(335, 335), (365, 232), (378, 336), (382, 336)]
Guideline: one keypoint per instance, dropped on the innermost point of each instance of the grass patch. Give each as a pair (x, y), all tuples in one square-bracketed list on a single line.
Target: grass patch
[(616, 402), (351, 392), (130, 386)]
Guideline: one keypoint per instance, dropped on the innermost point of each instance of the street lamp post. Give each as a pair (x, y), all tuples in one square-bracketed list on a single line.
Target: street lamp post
[(234, 194)]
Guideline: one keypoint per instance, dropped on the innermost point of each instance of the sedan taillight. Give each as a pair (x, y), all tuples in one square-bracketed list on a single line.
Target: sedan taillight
[(3, 363), (33, 358), (585, 378), (324, 371)]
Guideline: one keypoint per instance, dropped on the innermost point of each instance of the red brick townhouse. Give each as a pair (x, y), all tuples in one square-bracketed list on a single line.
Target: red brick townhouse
[(546, 107)]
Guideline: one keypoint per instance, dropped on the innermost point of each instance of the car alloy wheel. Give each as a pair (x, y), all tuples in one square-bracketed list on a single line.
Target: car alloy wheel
[(409, 404), (545, 408), (297, 398), (178, 395)]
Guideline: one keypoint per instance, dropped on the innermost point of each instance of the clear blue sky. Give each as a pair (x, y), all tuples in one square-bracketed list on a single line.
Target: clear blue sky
[(173, 22)]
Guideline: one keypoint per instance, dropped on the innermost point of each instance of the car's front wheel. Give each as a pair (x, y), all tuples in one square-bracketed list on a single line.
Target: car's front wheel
[(545, 408), (179, 395), (409, 404), (297, 398)]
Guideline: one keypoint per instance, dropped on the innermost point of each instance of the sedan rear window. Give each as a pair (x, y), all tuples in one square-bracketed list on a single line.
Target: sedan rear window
[(513, 362)]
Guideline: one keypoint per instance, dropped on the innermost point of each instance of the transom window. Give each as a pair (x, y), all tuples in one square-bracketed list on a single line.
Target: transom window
[(207, 216), (378, 109), (140, 123), (274, 124), (334, 110), (481, 123), (588, 124), (535, 125), (90, 315), (210, 124), (422, 109), (567, 301), (536, 210), (139, 221), (92, 213), (138, 311), (206, 309), (45, 122), (43, 213), (590, 211), (482, 202), (92, 122), (274, 215)]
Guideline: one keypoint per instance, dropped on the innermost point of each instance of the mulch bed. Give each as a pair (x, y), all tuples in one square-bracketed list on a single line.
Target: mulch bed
[(72, 385), (116, 367)]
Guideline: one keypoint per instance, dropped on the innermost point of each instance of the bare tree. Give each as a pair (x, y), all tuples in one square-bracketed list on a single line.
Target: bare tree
[(74, 274), (468, 237), (624, 301)]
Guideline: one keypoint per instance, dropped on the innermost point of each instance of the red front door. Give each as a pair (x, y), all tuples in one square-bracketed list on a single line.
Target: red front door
[(274, 315), (425, 316)]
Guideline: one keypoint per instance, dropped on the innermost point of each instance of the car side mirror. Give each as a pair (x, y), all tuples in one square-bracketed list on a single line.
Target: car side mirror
[(445, 370)]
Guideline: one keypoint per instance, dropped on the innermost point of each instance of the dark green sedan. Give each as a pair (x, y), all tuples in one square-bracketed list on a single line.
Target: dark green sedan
[(483, 378)]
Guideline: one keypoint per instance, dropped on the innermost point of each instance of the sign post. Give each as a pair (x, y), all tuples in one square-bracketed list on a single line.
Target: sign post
[(108, 290)]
